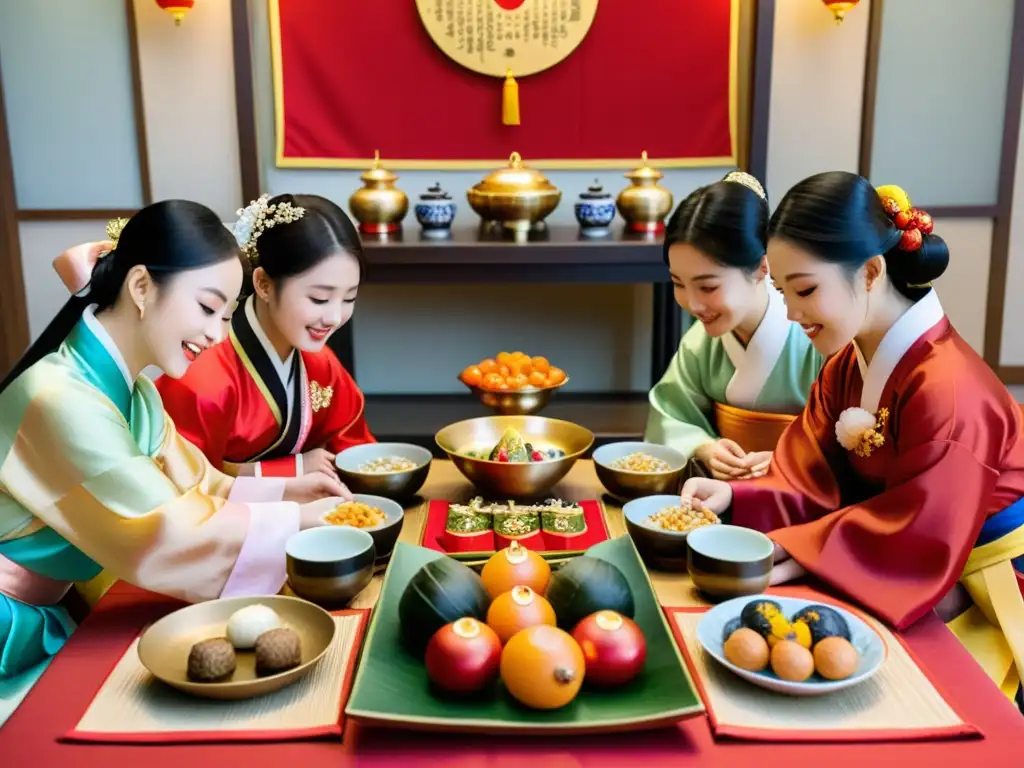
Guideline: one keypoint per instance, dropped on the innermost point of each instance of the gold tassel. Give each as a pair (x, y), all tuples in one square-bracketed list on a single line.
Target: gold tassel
[(510, 100)]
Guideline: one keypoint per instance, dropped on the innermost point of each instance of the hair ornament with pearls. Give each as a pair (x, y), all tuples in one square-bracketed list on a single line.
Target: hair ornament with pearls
[(259, 216), (914, 223), (748, 181)]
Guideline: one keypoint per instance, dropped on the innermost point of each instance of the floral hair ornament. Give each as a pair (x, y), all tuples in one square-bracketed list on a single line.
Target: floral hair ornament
[(859, 431), (259, 216), (74, 267), (748, 181), (913, 222)]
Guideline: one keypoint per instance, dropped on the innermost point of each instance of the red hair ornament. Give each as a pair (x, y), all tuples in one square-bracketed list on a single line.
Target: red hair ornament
[(914, 222)]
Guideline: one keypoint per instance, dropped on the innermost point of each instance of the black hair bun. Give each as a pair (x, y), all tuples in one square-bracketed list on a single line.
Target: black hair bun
[(916, 269)]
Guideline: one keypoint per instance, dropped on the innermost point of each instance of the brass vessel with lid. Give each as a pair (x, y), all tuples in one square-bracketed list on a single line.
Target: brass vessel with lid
[(644, 204), (378, 205), (516, 196)]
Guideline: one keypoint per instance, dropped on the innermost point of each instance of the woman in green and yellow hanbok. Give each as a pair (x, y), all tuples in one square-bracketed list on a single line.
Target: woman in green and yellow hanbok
[(743, 370), (94, 477)]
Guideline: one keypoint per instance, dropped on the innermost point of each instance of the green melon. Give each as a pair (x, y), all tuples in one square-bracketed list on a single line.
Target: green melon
[(441, 592), (586, 585)]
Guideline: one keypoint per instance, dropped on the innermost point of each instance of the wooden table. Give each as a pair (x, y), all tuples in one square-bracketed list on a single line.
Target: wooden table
[(446, 482), (31, 737)]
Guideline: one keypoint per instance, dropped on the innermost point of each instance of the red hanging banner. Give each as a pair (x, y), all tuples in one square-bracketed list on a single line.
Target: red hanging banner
[(354, 76)]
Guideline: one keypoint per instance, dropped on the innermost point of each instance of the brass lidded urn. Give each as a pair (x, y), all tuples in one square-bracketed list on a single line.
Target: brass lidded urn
[(378, 205), (516, 196), (644, 204)]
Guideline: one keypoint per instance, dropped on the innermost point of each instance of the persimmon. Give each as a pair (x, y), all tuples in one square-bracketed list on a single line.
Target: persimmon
[(518, 609), (517, 382), (540, 364), (555, 376), (504, 358), (513, 566), (538, 379), (542, 667), (503, 371), (488, 365)]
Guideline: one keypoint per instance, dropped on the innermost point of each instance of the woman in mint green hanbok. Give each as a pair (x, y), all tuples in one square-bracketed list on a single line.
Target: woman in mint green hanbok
[(743, 370), (93, 475)]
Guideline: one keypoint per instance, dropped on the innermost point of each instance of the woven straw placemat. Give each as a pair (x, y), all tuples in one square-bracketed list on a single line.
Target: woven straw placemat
[(132, 706), (899, 702)]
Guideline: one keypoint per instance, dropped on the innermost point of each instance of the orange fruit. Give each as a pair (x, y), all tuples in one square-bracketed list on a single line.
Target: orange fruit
[(542, 667), (540, 364), (504, 358), (472, 376), (518, 609), (555, 376), (538, 379), (515, 368), (504, 371), (517, 382), (512, 566), (492, 381), (488, 366)]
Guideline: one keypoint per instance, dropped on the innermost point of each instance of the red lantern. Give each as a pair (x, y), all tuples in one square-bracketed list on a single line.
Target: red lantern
[(177, 8), (840, 7)]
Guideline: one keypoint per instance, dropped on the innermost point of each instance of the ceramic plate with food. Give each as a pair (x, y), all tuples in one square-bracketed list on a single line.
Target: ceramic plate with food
[(791, 645), (236, 648)]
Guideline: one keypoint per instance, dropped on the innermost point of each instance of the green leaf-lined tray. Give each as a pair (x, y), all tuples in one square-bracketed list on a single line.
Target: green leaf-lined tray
[(391, 687)]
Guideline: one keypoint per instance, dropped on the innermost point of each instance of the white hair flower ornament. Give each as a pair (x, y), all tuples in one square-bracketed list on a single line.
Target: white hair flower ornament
[(259, 216), (860, 431)]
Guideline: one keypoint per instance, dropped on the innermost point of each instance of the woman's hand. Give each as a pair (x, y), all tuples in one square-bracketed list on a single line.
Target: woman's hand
[(716, 495), (318, 460), (311, 515), (724, 458), (315, 486), (757, 464), (785, 567)]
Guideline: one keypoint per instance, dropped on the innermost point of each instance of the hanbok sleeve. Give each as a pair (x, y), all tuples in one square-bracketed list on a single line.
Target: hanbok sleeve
[(898, 551), (679, 405), (169, 522)]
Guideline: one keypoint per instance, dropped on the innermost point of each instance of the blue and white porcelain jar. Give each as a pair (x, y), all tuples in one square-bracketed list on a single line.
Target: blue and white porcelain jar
[(595, 210), (435, 212)]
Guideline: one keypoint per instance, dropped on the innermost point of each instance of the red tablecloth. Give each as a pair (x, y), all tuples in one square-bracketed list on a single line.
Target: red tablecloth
[(30, 737)]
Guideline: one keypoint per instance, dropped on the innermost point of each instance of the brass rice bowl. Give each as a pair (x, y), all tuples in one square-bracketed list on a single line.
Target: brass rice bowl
[(521, 402), (503, 480)]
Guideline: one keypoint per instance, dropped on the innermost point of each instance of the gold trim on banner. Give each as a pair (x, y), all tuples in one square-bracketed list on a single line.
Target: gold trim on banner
[(483, 164)]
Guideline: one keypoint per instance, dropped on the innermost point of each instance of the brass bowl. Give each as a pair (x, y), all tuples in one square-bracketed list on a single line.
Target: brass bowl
[(502, 480), (516, 196), (628, 484), (164, 646), (521, 402)]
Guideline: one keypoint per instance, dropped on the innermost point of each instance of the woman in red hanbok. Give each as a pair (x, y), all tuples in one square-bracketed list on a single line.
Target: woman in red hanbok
[(272, 400), (900, 484)]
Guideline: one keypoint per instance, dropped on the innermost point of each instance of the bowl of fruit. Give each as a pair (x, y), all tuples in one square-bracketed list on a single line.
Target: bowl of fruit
[(513, 383), (512, 457)]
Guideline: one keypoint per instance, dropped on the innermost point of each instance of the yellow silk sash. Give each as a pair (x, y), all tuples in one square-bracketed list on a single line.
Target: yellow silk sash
[(751, 430), (993, 628)]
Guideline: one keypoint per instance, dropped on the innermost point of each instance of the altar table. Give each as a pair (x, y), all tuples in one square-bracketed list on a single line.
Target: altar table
[(30, 736)]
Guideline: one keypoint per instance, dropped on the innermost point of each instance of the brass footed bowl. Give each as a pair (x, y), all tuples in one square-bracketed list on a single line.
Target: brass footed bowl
[(503, 480), (516, 196), (521, 402), (628, 484)]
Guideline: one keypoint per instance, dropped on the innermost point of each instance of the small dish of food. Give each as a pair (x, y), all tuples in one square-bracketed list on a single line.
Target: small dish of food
[(237, 648), (381, 518), (392, 470), (790, 645), (632, 469), (659, 526)]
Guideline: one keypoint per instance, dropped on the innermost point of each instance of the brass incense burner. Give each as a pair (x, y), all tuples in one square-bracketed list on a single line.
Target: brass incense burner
[(378, 206), (644, 204), (516, 196)]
